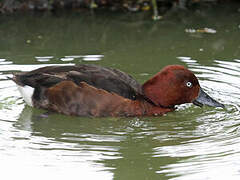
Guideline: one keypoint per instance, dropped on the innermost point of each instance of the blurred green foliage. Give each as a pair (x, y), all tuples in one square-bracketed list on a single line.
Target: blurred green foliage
[(7, 6)]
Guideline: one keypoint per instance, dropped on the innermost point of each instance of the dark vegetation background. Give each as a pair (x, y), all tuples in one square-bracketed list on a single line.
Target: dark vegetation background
[(163, 6)]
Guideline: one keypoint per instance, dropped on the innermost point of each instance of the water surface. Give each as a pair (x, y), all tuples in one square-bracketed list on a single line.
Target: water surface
[(191, 143)]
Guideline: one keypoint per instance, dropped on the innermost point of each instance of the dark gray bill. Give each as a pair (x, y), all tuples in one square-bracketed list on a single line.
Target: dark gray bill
[(204, 99)]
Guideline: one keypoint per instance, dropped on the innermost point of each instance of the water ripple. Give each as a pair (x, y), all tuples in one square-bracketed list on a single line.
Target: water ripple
[(191, 143), (215, 146)]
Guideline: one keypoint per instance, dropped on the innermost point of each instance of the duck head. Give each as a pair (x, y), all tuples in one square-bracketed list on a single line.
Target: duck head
[(175, 85)]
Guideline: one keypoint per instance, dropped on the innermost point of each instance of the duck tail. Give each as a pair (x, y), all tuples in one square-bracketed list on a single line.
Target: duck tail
[(16, 78)]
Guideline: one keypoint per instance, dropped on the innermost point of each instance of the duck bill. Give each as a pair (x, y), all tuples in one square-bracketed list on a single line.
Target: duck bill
[(204, 99)]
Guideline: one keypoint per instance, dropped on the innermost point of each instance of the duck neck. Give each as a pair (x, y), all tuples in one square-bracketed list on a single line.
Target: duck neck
[(152, 109), (153, 91), (145, 108)]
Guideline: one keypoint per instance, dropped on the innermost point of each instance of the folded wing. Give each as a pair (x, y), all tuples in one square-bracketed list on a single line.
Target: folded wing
[(109, 79)]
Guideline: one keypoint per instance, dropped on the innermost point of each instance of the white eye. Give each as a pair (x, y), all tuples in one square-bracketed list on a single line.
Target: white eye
[(189, 84)]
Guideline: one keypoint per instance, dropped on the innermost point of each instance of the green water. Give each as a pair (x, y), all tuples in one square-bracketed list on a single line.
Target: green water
[(191, 143)]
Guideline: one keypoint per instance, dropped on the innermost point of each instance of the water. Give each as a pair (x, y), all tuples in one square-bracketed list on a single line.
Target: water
[(191, 143)]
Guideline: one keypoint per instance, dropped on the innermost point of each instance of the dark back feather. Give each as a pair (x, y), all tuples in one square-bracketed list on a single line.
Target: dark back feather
[(109, 79)]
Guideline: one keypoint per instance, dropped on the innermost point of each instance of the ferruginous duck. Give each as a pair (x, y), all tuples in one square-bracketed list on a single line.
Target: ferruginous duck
[(91, 90)]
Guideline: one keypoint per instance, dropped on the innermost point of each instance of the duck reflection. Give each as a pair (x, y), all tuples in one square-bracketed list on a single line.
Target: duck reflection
[(125, 148)]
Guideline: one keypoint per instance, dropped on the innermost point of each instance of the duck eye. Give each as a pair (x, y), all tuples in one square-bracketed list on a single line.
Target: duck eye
[(189, 84)]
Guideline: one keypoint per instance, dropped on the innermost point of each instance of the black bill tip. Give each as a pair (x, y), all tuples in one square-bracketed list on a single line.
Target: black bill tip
[(204, 99)]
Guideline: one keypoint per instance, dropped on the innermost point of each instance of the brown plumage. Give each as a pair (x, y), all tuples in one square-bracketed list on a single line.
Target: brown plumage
[(90, 90)]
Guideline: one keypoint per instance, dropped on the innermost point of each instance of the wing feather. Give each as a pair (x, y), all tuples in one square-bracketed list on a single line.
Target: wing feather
[(109, 79)]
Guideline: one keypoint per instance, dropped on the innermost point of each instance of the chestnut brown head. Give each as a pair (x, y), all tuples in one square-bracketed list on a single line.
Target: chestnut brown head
[(175, 85)]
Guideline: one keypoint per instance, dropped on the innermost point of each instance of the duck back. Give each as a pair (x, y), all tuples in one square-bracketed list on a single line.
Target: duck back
[(109, 79)]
